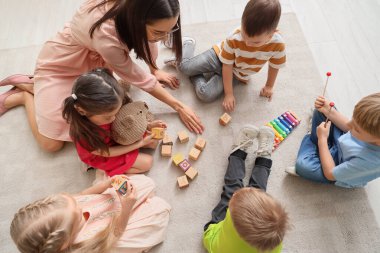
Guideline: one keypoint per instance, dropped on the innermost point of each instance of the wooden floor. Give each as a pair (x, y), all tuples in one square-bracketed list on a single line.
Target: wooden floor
[(343, 36)]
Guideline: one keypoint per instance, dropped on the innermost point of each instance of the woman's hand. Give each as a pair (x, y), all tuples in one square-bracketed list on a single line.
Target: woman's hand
[(156, 123), (190, 119), (167, 79)]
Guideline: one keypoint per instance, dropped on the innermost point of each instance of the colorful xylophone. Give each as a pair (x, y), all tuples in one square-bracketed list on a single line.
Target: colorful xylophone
[(282, 126)]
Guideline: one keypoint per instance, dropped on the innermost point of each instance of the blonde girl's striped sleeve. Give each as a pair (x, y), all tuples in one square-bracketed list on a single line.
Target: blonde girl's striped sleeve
[(227, 52), (278, 59)]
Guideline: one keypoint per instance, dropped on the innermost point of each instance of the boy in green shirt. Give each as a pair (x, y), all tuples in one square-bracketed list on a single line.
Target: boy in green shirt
[(247, 219)]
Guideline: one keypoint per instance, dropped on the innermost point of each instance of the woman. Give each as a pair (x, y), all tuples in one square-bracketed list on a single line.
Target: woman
[(101, 34)]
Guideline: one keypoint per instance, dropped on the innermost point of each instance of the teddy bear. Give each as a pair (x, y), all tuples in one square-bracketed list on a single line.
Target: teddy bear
[(131, 122)]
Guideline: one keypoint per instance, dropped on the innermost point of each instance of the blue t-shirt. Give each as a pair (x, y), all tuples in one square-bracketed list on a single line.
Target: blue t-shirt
[(360, 162)]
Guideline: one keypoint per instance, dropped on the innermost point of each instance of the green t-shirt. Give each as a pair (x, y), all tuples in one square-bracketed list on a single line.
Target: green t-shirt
[(223, 238)]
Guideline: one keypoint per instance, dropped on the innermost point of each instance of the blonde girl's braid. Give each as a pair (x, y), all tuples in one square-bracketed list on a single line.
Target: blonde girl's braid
[(38, 228), (45, 226)]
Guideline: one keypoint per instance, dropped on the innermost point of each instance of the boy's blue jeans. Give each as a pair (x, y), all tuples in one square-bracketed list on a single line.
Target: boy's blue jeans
[(308, 164), (206, 63)]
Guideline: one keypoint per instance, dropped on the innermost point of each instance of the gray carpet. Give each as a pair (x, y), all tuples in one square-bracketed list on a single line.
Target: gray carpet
[(324, 218)]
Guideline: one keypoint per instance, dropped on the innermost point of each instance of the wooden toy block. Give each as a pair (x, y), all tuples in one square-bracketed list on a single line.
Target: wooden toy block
[(166, 150), (224, 119), (119, 183), (177, 158), (184, 165), (167, 140), (182, 181), (158, 132), (183, 136), (200, 143), (194, 154), (191, 173)]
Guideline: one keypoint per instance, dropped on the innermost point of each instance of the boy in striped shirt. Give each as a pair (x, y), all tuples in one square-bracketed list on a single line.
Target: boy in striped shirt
[(240, 55)]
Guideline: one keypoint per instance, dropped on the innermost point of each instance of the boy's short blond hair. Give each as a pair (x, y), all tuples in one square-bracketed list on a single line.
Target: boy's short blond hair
[(367, 114), (259, 219)]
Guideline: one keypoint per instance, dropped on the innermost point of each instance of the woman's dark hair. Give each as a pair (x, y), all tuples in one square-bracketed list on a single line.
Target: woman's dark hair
[(96, 92), (131, 18), (261, 16)]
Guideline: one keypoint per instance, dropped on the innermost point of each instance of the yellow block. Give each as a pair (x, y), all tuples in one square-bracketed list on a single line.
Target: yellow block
[(177, 158)]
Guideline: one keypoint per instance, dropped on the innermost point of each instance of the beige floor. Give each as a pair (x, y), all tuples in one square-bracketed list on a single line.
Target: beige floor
[(341, 36)]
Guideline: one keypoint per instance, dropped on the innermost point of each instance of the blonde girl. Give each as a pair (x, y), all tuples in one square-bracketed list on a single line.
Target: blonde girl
[(98, 220)]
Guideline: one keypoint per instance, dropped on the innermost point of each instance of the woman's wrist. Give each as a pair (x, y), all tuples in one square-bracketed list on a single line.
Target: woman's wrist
[(177, 106)]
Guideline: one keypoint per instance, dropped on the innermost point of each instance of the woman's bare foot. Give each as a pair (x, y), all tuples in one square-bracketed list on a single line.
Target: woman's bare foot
[(16, 99), (29, 87)]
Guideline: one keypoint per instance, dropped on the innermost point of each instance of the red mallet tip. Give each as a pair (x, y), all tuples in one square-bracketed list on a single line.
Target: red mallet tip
[(332, 104), (328, 74)]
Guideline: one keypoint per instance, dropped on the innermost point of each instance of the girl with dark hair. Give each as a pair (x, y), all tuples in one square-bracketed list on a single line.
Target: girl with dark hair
[(101, 33), (90, 109)]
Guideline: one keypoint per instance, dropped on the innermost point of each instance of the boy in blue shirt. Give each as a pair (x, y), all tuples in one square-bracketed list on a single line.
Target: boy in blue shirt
[(342, 151)]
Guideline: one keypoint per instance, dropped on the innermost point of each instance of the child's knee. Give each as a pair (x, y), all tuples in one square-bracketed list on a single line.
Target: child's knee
[(148, 160), (318, 115), (205, 95), (303, 166), (149, 183), (307, 167)]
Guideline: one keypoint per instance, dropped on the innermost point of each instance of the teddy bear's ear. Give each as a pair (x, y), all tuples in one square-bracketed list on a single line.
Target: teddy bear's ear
[(146, 106), (149, 116), (128, 122)]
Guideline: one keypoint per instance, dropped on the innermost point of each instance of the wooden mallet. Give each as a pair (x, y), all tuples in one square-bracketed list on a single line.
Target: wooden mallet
[(328, 74), (331, 106)]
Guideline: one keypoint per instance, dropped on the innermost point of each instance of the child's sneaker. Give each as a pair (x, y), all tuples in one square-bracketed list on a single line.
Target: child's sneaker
[(291, 170), (245, 138), (266, 139), (310, 120), (186, 42), (172, 61)]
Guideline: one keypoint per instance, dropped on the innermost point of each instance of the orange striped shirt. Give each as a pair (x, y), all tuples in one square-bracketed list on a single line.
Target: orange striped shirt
[(248, 60)]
